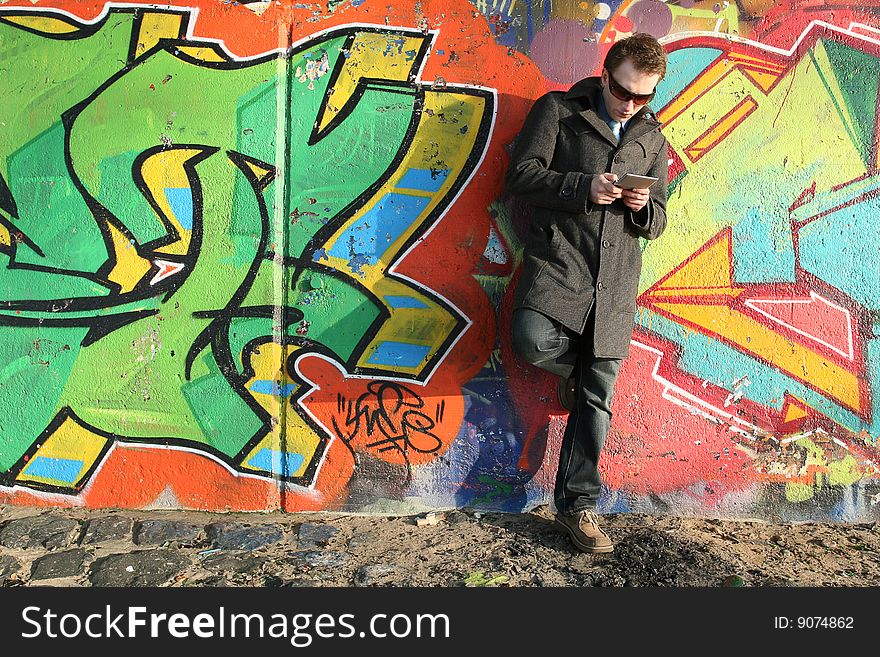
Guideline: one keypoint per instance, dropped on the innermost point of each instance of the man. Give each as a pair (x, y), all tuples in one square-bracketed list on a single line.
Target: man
[(575, 302)]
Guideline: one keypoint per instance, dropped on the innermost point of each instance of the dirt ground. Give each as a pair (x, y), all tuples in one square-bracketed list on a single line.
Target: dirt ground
[(526, 550), (452, 548)]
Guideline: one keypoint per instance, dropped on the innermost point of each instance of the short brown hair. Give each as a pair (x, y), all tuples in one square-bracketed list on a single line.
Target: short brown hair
[(645, 52)]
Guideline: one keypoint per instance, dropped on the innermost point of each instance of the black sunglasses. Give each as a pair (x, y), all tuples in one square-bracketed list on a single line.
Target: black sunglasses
[(623, 94)]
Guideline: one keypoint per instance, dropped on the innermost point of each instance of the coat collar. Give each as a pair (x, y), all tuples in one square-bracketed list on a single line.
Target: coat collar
[(589, 90)]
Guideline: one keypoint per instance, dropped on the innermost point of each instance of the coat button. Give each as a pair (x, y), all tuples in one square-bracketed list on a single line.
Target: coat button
[(566, 192), (606, 243), (599, 286)]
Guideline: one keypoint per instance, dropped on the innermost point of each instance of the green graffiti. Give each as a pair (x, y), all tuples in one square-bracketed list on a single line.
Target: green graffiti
[(150, 196)]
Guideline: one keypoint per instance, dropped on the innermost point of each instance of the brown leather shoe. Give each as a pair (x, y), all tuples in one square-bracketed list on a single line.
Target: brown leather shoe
[(583, 528), (566, 393)]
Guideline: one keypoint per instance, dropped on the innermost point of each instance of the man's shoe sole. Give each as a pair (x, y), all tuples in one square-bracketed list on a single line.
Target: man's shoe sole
[(583, 547)]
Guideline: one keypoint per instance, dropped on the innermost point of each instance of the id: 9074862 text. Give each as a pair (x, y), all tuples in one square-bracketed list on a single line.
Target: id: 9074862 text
[(813, 623)]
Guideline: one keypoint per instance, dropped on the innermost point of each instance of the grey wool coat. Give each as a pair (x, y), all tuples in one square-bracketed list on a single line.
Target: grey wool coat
[(577, 253)]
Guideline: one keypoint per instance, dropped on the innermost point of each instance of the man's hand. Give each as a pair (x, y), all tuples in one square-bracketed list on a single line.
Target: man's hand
[(635, 199), (602, 189)]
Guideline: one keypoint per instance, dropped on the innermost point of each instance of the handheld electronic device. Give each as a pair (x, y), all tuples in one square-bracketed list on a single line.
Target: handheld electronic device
[(632, 181)]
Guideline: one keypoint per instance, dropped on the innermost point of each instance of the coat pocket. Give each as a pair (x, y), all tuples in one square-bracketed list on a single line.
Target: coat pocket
[(564, 263)]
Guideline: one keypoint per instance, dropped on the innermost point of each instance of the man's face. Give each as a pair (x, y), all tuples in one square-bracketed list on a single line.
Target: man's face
[(626, 78)]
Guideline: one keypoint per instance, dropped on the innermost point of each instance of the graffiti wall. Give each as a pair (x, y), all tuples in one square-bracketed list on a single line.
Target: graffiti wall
[(259, 256)]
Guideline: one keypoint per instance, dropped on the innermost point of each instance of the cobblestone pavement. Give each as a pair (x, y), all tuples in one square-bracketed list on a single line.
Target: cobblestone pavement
[(80, 547)]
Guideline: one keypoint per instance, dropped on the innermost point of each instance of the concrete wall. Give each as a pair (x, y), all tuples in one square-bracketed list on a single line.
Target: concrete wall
[(258, 256)]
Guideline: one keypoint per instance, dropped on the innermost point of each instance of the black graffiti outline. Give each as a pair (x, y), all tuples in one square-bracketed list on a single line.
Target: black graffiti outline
[(359, 416)]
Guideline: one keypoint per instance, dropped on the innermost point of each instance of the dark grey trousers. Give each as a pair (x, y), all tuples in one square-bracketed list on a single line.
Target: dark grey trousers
[(544, 342)]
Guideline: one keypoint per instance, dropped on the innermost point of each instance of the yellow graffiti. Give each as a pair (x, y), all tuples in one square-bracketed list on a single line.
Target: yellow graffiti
[(263, 173), (438, 142), (808, 459), (299, 441), (165, 171), (817, 472), (763, 72), (70, 443), (129, 266), (43, 24), (755, 338), (794, 410), (761, 75), (791, 104), (157, 26), (707, 272), (826, 70), (371, 55), (714, 135), (726, 20), (714, 316), (204, 54)]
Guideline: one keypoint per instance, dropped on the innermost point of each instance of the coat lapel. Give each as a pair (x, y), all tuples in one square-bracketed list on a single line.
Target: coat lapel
[(590, 89), (586, 119), (639, 125)]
